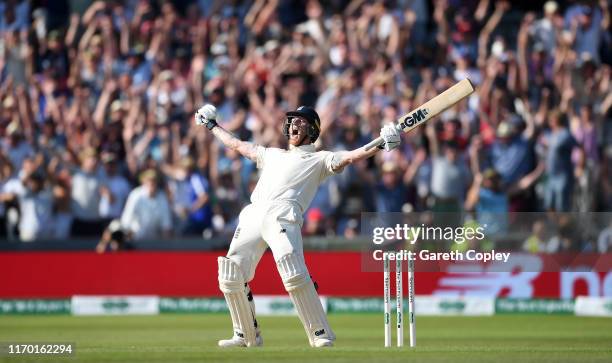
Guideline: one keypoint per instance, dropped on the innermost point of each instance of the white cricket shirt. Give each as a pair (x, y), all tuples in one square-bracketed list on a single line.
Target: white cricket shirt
[(291, 175)]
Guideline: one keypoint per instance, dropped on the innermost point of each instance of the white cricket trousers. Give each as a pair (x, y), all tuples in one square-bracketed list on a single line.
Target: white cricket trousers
[(275, 224)]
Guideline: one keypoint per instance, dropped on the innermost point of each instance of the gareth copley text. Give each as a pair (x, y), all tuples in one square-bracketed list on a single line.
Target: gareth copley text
[(426, 255)]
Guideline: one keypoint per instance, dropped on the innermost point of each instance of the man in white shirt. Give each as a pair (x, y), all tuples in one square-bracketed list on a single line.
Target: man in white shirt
[(287, 184), (147, 211)]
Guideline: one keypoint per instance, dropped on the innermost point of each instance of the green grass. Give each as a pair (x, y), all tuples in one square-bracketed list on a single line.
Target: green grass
[(193, 338)]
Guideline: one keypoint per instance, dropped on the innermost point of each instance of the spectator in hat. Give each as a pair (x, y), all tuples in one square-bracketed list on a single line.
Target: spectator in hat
[(147, 211)]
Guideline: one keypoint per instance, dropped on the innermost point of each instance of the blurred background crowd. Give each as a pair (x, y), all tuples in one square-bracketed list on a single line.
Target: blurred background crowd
[(97, 101)]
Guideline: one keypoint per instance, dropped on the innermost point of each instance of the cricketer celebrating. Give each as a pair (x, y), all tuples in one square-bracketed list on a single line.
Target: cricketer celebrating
[(286, 186)]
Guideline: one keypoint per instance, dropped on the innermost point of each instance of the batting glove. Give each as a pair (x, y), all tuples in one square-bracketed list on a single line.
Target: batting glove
[(391, 135), (207, 115)]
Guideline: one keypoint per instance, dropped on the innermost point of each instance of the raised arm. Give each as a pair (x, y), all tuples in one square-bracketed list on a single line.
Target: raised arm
[(345, 158), (207, 116), (390, 135)]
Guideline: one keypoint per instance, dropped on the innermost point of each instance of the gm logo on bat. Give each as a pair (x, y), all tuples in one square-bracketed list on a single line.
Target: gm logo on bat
[(414, 119)]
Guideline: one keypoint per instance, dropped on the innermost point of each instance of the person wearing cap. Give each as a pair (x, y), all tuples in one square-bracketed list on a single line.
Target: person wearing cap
[(288, 182), (147, 211)]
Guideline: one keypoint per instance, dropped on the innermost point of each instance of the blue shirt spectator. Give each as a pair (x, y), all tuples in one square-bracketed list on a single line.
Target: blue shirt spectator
[(390, 194), (511, 155)]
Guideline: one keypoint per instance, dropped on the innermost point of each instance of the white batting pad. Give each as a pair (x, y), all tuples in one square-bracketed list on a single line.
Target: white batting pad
[(304, 296), (232, 284)]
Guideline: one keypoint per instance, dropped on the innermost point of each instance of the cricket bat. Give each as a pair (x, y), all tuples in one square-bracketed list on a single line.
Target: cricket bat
[(430, 109)]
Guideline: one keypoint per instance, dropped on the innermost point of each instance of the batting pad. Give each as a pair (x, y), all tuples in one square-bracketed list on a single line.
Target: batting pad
[(304, 296), (232, 284)]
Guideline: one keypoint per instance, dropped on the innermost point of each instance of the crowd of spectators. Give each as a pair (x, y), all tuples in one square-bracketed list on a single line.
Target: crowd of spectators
[(97, 102)]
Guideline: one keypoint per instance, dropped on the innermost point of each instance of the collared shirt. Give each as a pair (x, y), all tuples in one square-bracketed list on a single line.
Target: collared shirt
[(146, 216), (291, 175)]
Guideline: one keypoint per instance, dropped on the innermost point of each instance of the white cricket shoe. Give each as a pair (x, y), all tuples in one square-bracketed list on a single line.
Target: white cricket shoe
[(237, 341), (322, 342)]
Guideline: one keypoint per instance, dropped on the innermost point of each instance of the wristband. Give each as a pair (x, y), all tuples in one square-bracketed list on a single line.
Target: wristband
[(210, 124)]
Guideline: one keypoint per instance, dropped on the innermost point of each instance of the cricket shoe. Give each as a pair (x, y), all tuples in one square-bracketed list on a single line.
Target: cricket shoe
[(322, 342), (237, 341)]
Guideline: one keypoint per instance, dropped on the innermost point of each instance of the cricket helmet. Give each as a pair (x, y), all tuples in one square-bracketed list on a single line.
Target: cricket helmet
[(308, 113)]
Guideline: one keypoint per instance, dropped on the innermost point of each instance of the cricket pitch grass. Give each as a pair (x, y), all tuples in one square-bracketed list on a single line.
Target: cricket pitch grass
[(193, 338)]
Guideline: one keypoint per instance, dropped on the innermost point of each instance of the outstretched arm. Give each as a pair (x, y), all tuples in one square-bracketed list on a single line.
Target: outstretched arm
[(345, 158), (245, 148), (207, 116), (390, 135)]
